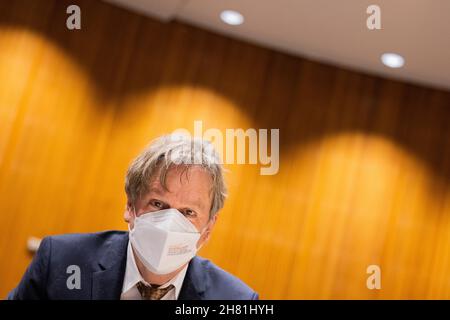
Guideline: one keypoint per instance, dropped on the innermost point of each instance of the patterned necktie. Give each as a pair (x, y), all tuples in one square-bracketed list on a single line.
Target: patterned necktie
[(152, 293)]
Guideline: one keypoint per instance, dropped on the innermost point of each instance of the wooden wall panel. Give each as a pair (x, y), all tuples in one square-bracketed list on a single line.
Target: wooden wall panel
[(364, 162)]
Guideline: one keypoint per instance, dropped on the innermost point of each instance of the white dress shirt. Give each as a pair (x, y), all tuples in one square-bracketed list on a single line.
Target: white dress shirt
[(133, 276)]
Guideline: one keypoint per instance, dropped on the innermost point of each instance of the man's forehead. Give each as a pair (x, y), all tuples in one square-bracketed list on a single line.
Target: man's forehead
[(180, 175), (181, 190)]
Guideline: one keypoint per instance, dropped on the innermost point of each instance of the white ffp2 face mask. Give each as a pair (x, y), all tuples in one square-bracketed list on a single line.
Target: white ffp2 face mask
[(164, 240)]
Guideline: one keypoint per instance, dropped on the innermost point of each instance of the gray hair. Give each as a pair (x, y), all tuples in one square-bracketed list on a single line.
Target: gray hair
[(170, 151)]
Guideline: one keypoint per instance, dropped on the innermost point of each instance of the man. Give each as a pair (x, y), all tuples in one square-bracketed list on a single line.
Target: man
[(175, 189)]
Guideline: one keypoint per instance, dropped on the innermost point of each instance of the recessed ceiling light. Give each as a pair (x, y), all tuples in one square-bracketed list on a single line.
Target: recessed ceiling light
[(392, 60), (232, 17)]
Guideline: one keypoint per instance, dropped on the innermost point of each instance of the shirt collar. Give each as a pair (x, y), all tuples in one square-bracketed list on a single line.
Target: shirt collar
[(133, 276)]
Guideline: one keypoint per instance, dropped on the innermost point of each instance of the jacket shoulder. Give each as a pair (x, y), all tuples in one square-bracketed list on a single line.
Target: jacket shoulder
[(83, 248), (221, 284), (79, 240), (72, 238), (46, 276)]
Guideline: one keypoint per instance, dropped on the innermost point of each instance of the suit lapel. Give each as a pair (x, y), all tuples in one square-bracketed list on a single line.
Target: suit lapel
[(108, 280), (194, 283)]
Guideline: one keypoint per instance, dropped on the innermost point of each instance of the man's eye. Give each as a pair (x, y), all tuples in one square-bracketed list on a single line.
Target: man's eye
[(157, 204), (189, 213)]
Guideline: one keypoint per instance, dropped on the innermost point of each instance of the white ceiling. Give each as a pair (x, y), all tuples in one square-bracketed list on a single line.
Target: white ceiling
[(331, 31)]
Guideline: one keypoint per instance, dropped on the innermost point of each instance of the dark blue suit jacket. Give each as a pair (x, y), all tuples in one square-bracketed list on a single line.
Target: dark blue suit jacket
[(101, 258)]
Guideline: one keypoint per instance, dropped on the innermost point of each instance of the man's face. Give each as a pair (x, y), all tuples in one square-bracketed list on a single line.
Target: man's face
[(188, 191)]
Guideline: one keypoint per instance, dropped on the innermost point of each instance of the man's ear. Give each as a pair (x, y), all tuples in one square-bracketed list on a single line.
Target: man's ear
[(207, 233), (211, 224), (213, 220), (127, 212)]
